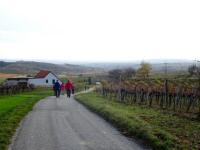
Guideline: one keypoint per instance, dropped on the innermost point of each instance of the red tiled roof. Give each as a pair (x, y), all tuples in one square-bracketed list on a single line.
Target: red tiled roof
[(42, 74)]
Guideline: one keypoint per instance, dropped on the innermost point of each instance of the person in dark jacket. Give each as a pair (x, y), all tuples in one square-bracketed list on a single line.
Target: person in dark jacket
[(73, 89), (57, 88)]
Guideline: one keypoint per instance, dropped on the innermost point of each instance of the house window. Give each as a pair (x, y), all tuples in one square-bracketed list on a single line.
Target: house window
[(53, 81), (47, 80)]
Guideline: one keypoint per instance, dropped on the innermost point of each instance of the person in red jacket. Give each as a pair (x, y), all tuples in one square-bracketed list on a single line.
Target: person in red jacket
[(63, 88), (68, 88)]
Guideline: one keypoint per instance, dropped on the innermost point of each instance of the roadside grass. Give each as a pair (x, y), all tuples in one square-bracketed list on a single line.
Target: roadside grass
[(157, 129), (13, 108), (2, 80)]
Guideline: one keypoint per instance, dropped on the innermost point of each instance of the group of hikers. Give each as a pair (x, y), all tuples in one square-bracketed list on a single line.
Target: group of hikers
[(61, 88)]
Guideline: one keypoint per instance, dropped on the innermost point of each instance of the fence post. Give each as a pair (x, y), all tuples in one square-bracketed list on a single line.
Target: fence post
[(120, 88)]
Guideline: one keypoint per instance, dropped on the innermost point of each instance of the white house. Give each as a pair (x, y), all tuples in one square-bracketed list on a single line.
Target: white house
[(44, 78)]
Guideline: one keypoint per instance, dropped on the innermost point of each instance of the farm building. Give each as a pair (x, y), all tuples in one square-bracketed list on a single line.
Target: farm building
[(17, 81), (44, 78)]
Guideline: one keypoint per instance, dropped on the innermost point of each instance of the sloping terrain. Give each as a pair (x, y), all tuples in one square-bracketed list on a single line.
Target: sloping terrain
[(158, 67), (31, 67)]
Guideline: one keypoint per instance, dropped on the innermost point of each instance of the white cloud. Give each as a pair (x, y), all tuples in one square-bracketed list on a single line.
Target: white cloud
[(99, 30)]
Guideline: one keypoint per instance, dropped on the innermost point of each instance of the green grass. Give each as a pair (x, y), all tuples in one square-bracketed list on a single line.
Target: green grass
[(2, 80), (13, 109), (158, 129)]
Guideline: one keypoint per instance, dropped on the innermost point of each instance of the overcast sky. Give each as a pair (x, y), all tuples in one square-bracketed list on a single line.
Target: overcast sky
[(99, 30)]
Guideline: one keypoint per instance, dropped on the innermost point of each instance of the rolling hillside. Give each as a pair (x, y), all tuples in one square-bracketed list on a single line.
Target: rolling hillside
[(31, 67), (157, 67)]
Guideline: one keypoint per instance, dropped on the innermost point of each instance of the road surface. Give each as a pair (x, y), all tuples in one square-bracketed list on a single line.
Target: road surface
[(64, 124)]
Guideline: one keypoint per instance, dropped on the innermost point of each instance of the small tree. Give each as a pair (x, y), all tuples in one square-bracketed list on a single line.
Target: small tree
[(115, 74), (89, 80), (193, 70), (128, 73), (144, 70)]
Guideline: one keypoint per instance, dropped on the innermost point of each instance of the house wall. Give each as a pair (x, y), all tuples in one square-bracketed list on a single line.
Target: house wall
[(42, 81), (12, 82)]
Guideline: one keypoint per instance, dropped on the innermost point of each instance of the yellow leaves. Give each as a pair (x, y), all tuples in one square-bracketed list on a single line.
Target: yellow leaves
[(144, 70)]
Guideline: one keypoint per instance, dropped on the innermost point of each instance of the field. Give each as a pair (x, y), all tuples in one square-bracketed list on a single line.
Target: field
[(157, 128), (13, 108), (6, 75), (3, 76), (1, 80)]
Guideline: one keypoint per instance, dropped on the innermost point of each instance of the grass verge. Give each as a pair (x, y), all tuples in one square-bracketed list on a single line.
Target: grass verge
[(13, 108), (158, 129), (2, 80)]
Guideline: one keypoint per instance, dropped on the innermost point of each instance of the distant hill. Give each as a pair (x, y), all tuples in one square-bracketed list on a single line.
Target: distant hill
[(157, 66), (32, 67), (3, 63)]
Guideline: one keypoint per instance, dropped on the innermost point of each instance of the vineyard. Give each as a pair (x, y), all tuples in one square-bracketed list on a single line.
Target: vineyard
[(15, 89), (177, 95)]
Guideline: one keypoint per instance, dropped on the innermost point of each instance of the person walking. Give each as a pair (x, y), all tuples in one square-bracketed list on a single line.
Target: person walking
[(57, 89), (68, 88), (62, 88), (73, 88)]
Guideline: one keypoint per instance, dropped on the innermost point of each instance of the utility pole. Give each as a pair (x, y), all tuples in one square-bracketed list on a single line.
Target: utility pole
[(198, 67), (198, 90), (166, 69), (120, 86), (166, 85)]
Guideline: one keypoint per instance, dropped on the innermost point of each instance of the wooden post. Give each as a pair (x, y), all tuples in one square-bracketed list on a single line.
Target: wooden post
[(120, 86), (166, 86)]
